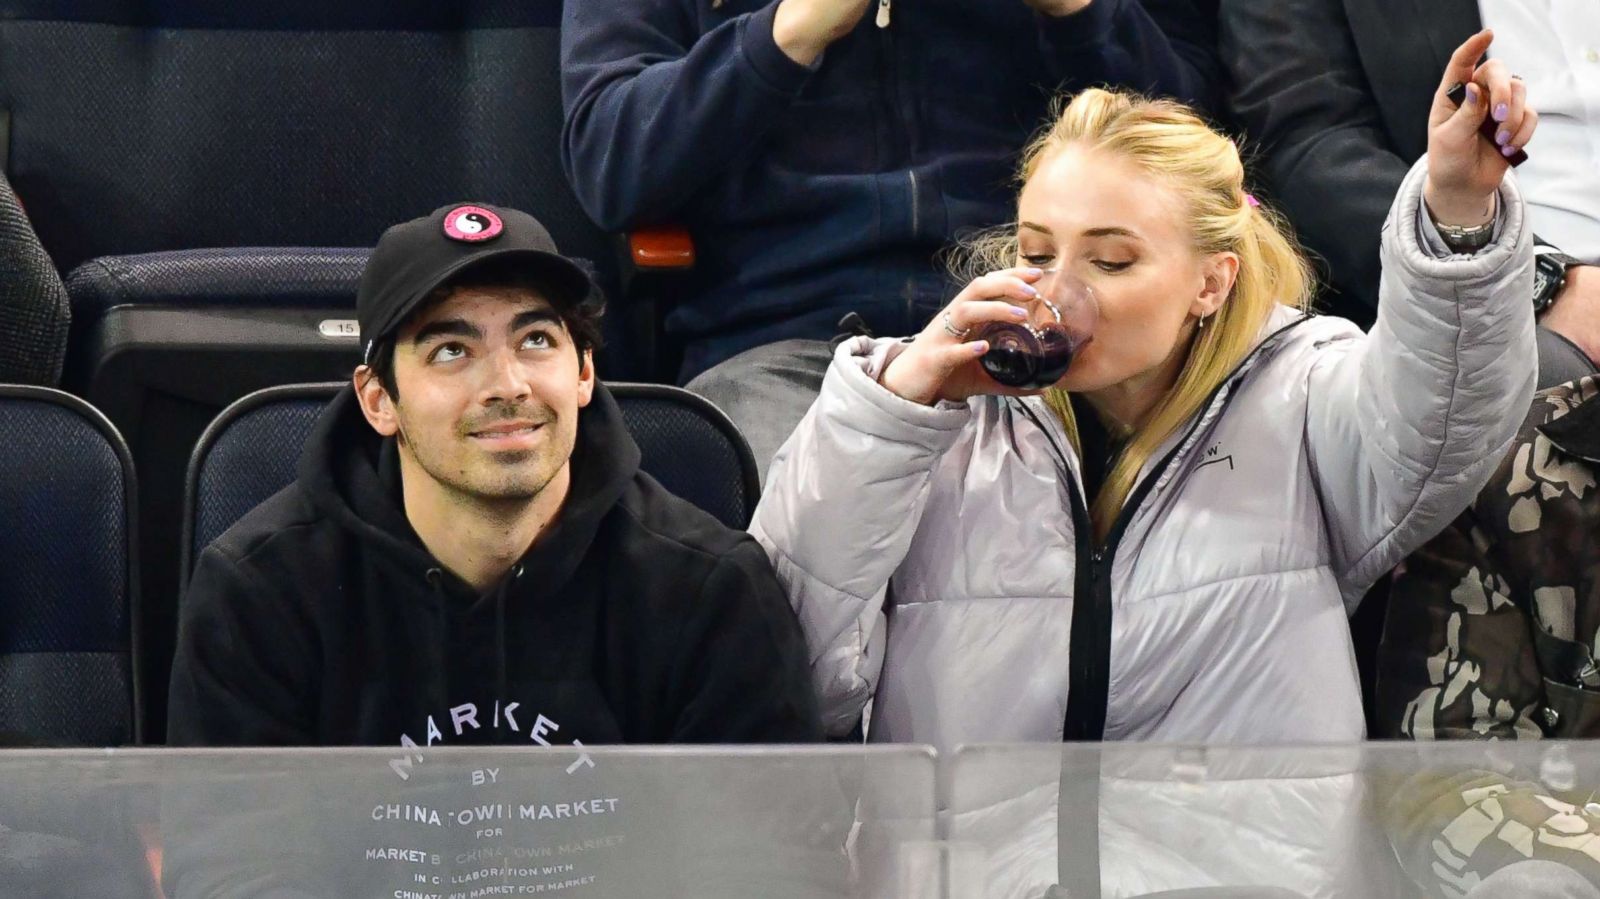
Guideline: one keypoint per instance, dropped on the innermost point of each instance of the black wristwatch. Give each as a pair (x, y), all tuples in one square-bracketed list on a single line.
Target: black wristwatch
[(1549, 276)]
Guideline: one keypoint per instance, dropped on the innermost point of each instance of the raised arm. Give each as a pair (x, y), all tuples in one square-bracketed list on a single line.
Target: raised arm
[(655, 111), (1406, 426)]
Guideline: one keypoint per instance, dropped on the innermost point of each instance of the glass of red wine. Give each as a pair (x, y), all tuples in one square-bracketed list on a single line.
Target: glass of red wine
[(1036, 354)]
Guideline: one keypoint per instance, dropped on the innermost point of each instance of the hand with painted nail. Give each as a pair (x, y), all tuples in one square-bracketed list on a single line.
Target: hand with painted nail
[(1465, 171), (943, 362)]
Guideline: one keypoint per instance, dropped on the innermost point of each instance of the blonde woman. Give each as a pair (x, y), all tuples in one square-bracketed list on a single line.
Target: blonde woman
[(1163, 546)]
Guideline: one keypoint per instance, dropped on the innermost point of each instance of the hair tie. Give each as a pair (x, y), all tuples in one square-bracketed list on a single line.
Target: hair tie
[(1251, 199)]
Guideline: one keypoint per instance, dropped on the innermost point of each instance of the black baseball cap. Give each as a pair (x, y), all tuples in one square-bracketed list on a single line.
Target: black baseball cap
[(413, 258)]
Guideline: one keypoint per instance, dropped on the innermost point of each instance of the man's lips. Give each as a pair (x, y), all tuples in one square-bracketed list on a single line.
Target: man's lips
[(506, 431)]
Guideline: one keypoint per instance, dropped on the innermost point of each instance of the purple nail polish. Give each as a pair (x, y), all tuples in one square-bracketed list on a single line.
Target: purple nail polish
[(1500, 112), (1502, 137), (1472, 93), (1019, 312), (1508, 150), (1030, 290)]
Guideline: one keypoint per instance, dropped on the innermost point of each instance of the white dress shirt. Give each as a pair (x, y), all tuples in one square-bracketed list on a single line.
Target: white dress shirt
[(1555, 46)]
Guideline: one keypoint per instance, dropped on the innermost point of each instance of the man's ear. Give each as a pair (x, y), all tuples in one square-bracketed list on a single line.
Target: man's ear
[(376, 404), (586, 379), (1217, 276)]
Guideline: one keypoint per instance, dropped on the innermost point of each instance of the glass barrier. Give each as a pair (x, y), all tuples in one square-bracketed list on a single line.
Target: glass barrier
[(1477, 820), (433, 823), (1459, 819)]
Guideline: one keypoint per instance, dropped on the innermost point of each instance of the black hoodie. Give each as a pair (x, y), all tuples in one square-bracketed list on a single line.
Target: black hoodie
[(321, 619)]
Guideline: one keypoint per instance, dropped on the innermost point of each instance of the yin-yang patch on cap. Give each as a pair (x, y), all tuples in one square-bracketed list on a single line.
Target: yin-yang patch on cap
[(472, 224)]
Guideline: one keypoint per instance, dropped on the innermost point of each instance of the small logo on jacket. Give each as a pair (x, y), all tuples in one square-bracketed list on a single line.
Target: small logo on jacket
[(1214, 457)]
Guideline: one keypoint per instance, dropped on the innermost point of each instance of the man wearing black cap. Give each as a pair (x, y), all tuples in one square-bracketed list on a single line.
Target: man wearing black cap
[(470, 553)]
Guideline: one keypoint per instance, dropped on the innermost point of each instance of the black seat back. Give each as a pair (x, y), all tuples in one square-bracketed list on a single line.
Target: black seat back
[(67, 572), (33, 302), (693, 449)]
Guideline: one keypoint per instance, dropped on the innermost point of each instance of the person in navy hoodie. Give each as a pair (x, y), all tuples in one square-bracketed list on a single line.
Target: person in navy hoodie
[(822, 152)]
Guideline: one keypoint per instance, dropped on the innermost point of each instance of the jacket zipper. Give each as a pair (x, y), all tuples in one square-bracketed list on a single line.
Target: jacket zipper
[(1089, 663), (916, 216), (901, 143), (900, 139)]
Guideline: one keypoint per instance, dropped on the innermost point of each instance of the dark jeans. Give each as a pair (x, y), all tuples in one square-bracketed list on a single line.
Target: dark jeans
[(766, 391), (1560, 360)]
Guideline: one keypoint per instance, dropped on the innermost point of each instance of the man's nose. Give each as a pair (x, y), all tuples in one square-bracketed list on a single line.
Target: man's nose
[(506, 379)]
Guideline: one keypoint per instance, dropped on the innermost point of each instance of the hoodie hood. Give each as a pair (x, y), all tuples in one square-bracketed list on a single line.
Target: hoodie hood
[(351, 474)]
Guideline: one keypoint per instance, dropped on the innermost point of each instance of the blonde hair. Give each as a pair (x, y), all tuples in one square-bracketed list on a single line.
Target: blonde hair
[(1171, 143)]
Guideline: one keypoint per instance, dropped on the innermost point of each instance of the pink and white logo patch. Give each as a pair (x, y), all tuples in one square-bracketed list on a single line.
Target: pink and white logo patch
[(472, 224)]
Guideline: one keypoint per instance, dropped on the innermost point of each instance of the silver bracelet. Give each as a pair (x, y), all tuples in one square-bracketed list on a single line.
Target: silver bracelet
[(1466, 240)]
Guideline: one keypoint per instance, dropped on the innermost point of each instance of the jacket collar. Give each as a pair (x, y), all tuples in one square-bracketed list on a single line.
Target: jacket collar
[(1578, 432)]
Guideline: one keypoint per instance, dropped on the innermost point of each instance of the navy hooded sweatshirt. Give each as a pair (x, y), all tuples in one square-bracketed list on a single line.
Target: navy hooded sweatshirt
[(321, 619), (816, 191)]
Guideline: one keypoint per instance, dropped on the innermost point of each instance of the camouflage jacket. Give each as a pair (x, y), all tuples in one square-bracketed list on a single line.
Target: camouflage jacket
[(1492, 633), (1492, 626)]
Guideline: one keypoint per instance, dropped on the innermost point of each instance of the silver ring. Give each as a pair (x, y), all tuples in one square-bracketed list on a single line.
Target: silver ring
[(950, 328)]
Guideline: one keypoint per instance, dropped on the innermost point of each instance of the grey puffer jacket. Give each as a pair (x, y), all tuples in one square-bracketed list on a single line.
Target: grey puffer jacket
[(940, 562)]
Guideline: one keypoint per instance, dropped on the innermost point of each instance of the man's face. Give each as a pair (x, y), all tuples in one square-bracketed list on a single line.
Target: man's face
[(489, 385)]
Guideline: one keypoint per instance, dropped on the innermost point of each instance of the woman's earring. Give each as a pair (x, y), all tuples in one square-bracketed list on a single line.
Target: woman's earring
[(1201, 325)]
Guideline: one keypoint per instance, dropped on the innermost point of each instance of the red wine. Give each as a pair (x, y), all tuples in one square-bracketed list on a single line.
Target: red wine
[(1027, 358)]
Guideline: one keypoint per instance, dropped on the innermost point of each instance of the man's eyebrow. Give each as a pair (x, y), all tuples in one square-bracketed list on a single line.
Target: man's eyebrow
[(536, 317), (449, 327)]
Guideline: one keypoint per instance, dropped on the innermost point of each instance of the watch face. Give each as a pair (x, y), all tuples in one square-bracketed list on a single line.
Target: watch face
[(1548, 274)]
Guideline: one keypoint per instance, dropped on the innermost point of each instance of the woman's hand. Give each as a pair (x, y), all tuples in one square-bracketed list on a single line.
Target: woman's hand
[(1464, 170), (940, 365)]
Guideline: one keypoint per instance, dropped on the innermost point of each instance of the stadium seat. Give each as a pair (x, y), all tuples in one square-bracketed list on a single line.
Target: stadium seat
[(163, 341), (250, 452), (191, 124), (33, 304), (693, 449), (68, 586)]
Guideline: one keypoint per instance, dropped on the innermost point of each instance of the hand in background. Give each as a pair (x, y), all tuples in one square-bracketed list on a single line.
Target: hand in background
[(1058, 7), (804, 28)]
